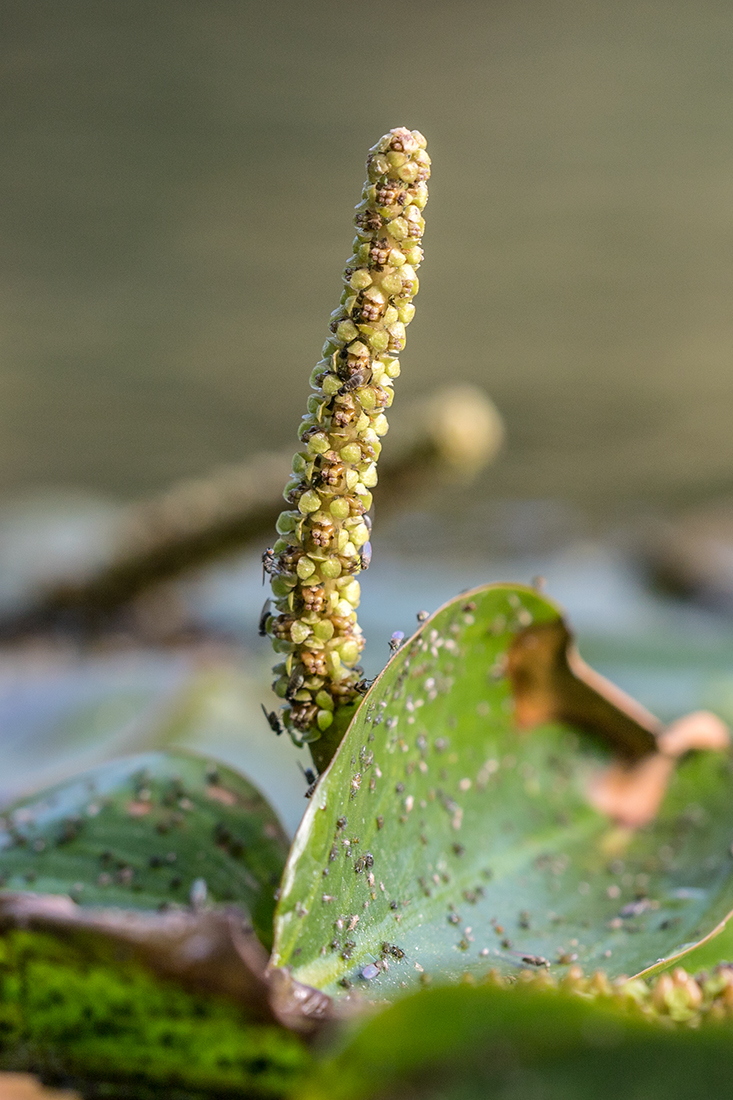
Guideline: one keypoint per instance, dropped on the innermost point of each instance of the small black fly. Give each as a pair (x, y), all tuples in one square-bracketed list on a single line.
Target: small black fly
[(295, 683), (358, 378), (268, 562), (311, 779), (264, 616), (274, 720)]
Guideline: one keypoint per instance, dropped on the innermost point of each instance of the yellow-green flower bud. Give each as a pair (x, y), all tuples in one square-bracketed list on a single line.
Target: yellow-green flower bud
[(369, 475), (342, 540), (347, 331), (331, 385), (360, 535), (318, 443), (324, 719), (343, 610), (377, 338), (323, 630), (333, 660), (309, 502), (352, 593), (306, 568), (330, 568), (349, 651), (368, 398), (299, 631), (398, 229), (280, 587), (361, 279), (316, 561), (286, 522), (392, 282), (413, 254), (351, 453), (377, 166)]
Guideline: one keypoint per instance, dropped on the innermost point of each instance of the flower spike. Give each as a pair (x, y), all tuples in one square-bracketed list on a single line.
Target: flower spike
[(323, 539)]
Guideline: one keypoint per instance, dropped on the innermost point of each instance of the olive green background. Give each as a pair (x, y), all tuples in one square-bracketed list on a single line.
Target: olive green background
[(176, 183)]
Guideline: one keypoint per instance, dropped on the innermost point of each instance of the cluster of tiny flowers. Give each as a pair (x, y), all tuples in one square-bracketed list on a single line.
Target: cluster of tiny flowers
[(324, 536), (675, 997)]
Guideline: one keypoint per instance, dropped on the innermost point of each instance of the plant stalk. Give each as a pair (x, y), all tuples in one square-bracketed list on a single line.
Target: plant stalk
[(323, 541)]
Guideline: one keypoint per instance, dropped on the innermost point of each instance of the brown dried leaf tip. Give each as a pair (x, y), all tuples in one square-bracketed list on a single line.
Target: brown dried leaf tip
[(324, 536)]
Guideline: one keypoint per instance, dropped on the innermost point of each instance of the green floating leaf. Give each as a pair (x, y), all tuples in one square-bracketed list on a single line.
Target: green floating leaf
[(467, 1043), (442, 841), (144, 833)]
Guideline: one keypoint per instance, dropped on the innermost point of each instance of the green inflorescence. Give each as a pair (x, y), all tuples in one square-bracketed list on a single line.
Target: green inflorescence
[(323, 536)]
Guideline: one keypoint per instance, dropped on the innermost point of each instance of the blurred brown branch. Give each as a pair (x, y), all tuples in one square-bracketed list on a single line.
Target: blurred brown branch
[(455, 432)]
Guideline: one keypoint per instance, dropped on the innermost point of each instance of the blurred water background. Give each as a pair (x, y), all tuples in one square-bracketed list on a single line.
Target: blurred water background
[(176, 183)]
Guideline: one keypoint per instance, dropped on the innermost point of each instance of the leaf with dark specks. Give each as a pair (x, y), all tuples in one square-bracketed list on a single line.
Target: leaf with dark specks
[(444, 841), (153, 831)]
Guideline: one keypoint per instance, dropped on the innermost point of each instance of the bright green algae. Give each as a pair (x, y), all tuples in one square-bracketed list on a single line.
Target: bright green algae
[(75, 1015)]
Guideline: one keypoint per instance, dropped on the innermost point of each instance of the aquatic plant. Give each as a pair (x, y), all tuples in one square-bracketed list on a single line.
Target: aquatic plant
[(470, 864)]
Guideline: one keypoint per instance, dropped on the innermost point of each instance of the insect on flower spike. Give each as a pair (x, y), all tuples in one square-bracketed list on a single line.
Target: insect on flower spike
[(324, 536)]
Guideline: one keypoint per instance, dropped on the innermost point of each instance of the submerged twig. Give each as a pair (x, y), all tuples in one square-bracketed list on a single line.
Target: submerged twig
[(202, 520)]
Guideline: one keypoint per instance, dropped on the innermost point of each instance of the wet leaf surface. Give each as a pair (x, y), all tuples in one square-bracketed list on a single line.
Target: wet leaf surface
[(442, 841), (151, 831)]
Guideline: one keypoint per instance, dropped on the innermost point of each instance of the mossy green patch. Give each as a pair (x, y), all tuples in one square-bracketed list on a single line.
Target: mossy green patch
[(69, 1014)]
